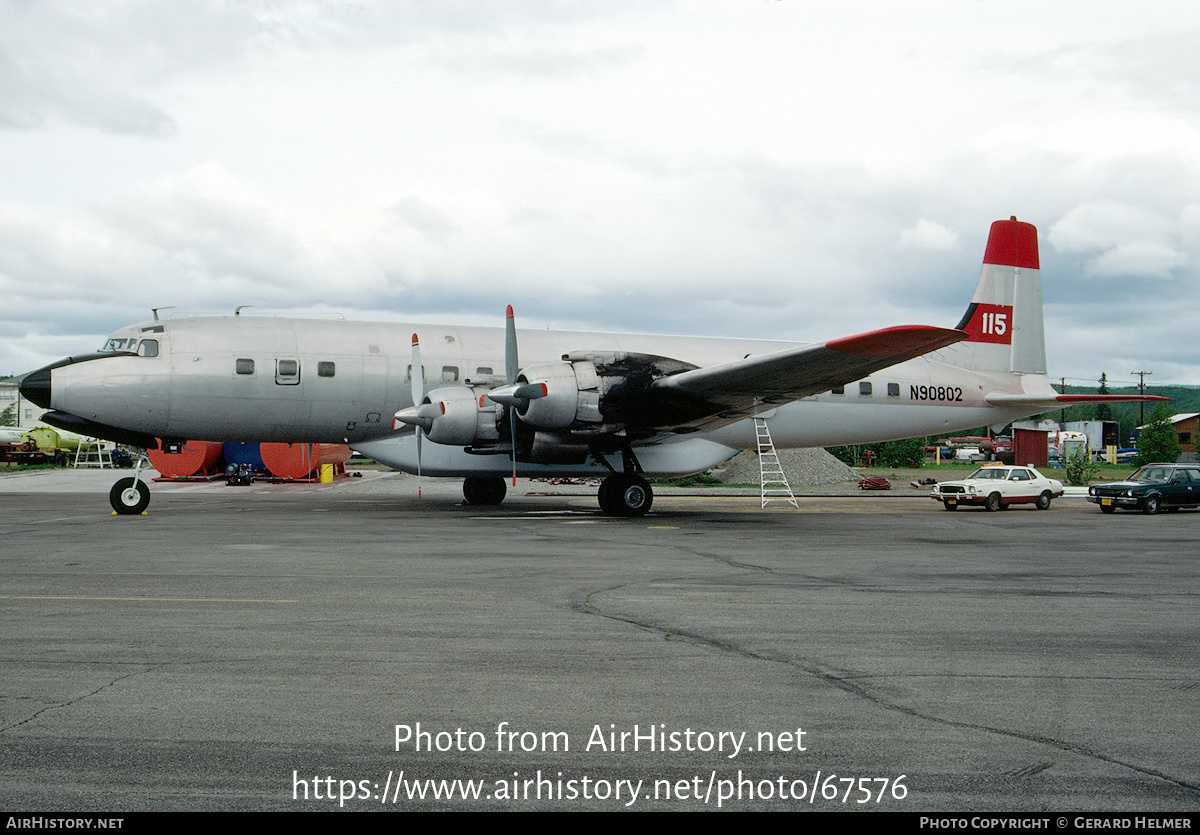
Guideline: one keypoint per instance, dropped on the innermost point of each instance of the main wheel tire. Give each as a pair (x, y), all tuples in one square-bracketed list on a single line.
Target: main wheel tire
[(1150, 504), (480, 490), (1043, 502), (129, 497), (625, 495), (994, 503), (603, 498)]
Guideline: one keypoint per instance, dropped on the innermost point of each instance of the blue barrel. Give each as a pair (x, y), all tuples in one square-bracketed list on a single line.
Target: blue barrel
[(236, 452)]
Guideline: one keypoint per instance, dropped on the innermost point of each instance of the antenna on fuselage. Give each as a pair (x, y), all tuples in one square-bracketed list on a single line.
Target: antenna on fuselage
[(155, 310)]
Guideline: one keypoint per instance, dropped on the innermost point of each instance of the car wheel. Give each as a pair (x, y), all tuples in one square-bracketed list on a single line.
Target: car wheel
[(1108, 508), (993, 502), (129, 497), (1150, 504), (1043, 502), (950, 505)]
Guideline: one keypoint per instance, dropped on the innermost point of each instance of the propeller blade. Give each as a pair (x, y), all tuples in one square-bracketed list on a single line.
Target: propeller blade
[(418, 394), (511, 366), (511, 369), (418, 373)]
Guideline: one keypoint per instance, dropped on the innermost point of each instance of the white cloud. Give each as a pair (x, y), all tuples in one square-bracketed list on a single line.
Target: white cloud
[(928, 235), (1100, 225), (1121, 240), (1137, 260)]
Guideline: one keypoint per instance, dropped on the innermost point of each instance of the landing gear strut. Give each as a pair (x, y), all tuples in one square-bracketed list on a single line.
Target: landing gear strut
[(627, 493)]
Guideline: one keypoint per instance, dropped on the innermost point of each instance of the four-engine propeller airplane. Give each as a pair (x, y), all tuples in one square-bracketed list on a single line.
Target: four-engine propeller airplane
[(622, 406)]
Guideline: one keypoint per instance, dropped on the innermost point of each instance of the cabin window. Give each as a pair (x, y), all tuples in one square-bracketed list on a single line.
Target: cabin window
[(148, 348), (893, 389), (245, 366), (449, 374), (838, 390), (483, 371), (287, 372), (424, 373), (325, 369), (864, 389)]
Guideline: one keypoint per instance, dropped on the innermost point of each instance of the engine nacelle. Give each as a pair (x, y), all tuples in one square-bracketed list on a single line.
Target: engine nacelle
[(572, 395), (458, 423)]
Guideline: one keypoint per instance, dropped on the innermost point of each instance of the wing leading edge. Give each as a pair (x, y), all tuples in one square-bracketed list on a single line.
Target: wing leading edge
[(705, 398)]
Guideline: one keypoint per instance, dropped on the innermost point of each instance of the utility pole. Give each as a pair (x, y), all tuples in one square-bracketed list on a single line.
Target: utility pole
[(1141, 391)]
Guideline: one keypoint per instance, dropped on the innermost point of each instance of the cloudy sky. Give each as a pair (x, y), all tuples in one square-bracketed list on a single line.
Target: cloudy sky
[(775, 168)]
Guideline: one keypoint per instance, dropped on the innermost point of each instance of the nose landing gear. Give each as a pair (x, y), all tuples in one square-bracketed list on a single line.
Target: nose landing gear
[(130, 496)]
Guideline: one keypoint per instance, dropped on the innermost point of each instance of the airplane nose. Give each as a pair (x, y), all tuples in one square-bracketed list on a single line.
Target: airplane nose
[(36, 387)]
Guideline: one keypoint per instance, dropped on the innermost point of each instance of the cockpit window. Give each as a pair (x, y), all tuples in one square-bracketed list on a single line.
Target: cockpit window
[(128, 344), (148, 348)]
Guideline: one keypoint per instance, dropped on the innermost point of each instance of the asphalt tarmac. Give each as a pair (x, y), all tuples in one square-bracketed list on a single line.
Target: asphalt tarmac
[(346, 646)]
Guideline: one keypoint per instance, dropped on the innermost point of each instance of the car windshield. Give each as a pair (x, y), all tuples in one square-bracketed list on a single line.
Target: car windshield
[(1151, 474), (989, 472)]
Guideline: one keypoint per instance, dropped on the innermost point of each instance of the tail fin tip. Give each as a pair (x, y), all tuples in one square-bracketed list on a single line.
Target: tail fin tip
[(1012, 243)]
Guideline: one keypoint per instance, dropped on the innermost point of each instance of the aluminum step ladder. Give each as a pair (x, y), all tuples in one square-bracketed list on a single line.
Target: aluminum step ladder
[(89, 447), (775, 487)]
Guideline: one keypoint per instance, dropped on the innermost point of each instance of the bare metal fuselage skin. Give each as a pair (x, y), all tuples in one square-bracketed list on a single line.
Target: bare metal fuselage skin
[(245, 378)]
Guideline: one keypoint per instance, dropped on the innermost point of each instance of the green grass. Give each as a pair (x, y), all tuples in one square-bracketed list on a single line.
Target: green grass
[(20, 468)]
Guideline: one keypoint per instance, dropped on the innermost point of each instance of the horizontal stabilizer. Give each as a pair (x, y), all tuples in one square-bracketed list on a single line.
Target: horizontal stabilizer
[(1055, 401)]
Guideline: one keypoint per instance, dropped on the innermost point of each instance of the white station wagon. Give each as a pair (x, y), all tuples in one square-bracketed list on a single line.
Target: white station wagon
[(997, 487)]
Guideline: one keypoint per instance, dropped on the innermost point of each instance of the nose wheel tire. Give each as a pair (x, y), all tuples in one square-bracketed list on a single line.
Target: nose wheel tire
[(129, 497), (625, 495)]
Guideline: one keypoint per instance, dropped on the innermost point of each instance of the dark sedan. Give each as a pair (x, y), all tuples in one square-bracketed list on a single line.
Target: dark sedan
[(1153, 488)]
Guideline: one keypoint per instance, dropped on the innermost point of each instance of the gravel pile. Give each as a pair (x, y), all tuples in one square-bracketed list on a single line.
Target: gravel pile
[(801, 466)]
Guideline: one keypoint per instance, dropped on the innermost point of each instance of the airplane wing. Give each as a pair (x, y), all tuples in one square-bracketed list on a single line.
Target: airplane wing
[(705, 398)]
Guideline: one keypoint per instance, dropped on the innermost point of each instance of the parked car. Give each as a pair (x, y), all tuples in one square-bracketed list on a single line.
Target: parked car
[(1152, 488), (998, 487)]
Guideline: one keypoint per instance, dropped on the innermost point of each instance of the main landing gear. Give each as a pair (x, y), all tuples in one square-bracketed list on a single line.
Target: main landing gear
[(626, 493), (621, 494)]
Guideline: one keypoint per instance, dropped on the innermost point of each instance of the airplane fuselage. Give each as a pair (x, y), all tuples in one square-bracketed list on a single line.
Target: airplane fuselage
[(248, 378)]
